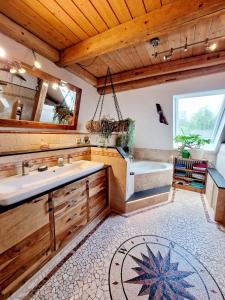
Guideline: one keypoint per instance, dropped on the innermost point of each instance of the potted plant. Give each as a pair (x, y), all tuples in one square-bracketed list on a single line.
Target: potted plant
[(191, 145)]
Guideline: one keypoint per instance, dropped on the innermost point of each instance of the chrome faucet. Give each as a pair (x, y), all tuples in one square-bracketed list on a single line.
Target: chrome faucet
[(25, 164), (69, 158)]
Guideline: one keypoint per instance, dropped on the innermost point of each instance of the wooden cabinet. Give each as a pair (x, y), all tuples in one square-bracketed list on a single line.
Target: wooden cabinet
[(97, 199), (25, 243), (32, 232), (70, 211)]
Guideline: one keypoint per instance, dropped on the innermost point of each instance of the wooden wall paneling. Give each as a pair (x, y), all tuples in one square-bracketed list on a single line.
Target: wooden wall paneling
[(26, 38), (41, 10), (56, 9), (136, 7), (152, 4), (121, 10), (167, 19), (70, 211), (105, 12), (74, 12), (27, 244), (23, 15), (91, 14)]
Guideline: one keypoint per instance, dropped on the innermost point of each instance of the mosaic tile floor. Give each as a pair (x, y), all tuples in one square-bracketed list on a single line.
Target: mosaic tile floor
[(173, 251)]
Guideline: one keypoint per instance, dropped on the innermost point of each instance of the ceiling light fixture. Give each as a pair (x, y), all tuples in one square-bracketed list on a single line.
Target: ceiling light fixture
[(55, 85), (2, 52), (169, 55), (213, 47), (13, 70), (21, 70), (37, 64), (45, 83), (207, 45)]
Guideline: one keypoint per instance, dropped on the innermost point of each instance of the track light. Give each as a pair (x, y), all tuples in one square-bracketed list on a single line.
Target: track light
[(45, 83), (55, 85), (207, 45), (37, 64), (2, 53), (213, 47), (13, 70), (169, 55), (21, 70)]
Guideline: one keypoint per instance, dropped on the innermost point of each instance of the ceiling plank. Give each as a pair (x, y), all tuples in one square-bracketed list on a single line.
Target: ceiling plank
[(152, 4), (168, 18), (83, 74), (187, 63), (136, 7), (121, 10), (26, 38), (106, 12), (155, 80)]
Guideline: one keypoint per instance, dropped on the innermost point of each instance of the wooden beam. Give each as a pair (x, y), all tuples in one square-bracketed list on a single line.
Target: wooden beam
[(168, 18), (39, 100), (155, 80), (189, 63), (83, 74), (26, 38)]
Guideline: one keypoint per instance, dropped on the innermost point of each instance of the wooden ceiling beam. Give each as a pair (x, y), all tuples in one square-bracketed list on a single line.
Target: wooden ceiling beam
[(26, 38), (83, 74), (168, 18), (155, 80), (189, 63)]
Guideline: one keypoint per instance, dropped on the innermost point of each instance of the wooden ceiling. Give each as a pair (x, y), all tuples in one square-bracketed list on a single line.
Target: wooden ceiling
[(87, 36)]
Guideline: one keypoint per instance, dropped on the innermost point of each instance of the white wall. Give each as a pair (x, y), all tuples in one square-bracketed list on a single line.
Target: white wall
[(89, 93), (140, 105)]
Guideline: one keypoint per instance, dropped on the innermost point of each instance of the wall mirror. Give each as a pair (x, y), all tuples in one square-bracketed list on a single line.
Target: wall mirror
[(34, 99)]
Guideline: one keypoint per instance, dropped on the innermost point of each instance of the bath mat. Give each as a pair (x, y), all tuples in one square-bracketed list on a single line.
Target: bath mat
[(152, 267)]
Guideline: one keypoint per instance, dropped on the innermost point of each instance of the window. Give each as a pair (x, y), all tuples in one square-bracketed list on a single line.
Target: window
[(200, 113)]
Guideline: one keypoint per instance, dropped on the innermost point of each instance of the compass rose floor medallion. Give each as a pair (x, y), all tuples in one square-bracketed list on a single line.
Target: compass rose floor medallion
[(153, 267)]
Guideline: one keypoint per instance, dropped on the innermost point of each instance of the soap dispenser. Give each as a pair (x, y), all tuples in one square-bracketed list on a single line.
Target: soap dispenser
[(60, 162)]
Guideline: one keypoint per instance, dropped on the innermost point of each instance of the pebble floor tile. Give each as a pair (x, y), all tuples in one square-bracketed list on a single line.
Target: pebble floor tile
[(185, 221)]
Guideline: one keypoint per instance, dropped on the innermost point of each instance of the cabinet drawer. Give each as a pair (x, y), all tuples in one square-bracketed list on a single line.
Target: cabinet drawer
[(97, 183), (97, 203), (27, 244)]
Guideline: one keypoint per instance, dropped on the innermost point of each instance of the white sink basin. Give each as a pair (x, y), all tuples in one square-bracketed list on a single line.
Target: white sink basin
[(17, 188)]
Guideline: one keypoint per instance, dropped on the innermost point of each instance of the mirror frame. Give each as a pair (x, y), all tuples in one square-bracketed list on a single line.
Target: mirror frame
[(42, 125)]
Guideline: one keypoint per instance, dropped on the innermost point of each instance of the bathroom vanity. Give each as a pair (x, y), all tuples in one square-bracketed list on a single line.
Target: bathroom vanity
[(34, 230)]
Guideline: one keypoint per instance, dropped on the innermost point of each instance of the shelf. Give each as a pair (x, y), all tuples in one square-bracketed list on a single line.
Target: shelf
[(189, 188), (191, 170), (188, 178)]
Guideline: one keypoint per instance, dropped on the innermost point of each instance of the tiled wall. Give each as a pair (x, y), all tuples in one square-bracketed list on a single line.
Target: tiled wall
[(31, 141), (12, 165)]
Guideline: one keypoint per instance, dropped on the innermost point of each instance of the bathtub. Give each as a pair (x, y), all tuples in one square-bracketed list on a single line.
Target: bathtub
[(151, 174)]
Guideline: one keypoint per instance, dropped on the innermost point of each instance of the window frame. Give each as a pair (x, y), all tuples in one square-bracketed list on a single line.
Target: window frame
[(220, 122)]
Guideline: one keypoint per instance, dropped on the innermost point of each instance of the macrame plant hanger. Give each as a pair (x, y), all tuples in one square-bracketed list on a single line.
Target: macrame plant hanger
[(98, 126)]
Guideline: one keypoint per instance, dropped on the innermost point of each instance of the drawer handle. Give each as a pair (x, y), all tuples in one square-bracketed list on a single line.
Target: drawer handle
[(70, 219)]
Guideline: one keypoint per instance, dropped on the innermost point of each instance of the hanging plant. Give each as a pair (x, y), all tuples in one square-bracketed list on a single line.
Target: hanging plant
[(126, 139), (62, 113), (106, 127)]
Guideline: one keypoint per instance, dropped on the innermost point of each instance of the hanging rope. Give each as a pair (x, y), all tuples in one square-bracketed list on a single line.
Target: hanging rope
[(101, 99)]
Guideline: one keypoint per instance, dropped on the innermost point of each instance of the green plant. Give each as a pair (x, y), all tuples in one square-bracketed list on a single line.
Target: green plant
[(126, 139), (191, 141)]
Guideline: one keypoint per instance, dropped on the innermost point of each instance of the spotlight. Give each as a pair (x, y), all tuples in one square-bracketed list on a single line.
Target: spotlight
[(55, 85), (13, 70), (37, 64), (45, 83), (213, 47), (207, 45), (22, 70), (2, 53)]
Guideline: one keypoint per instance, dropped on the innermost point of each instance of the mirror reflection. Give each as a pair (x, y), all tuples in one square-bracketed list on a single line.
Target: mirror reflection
[(26, 97)]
